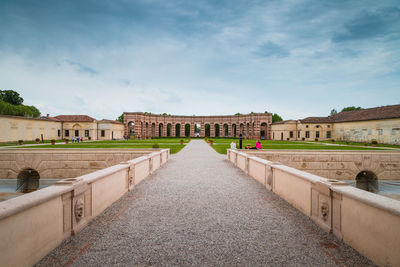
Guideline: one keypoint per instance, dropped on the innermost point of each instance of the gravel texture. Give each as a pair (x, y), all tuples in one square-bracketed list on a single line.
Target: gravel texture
[(199, 209)]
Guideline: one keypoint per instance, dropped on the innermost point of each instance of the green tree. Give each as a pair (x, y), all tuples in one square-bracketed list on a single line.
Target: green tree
[(121, 118), (351, 108), (276, 117), (333, 112), (11, 97), (238, 113)]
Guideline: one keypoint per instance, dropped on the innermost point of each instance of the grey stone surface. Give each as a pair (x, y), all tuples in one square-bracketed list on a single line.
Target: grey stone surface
[(201, 210)]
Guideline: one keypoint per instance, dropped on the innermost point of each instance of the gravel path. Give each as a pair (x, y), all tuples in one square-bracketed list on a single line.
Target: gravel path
[(201, 210)]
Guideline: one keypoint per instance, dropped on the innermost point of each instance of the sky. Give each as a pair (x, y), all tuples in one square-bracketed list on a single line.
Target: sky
[(297, 58)]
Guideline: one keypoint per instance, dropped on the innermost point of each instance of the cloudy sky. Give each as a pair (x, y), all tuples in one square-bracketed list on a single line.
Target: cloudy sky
[(296, 58)]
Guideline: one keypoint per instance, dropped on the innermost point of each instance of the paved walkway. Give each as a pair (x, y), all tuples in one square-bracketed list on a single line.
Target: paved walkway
[(201, 210)]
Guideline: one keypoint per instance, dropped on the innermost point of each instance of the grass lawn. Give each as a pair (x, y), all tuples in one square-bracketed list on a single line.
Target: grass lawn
[(221, 145), (172, 143), (359, 144), (26, 142)]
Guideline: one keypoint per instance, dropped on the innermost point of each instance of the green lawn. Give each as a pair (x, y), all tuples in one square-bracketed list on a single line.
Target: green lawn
[(221, 145), (173, 144), (26, 143), (359, 144)]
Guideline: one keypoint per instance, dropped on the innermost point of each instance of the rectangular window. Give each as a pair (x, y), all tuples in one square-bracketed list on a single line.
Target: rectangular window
[(103, 133), (76, 132), (298, 134), (58, 132), (291, 134), (328, 134), (317, 134), (86, 133), (66, 133), (369, 131), (307, 134), (380, 131)]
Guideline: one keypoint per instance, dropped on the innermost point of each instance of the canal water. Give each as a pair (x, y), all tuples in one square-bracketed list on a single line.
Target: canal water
[(8, 187)]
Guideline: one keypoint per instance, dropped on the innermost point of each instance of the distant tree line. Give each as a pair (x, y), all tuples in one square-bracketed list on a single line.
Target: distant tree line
[(334, 111), (11, 104)]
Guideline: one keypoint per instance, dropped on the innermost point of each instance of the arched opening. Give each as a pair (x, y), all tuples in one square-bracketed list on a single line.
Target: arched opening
[(197, 128), (177, 130), (241, 128), (367, 180), (160, 129), (281, 136), (226, 130), (76, 128), (207, 130), (153, 129), (263, 131), (147, 130), (248, 130), (234, 130), (216, 129), (169, 129), (27, 181), (187, 129), (131, 128)]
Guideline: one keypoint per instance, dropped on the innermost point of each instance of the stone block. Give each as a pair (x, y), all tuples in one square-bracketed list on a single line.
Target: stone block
[(88, 156), (5, 164), (74, 156), (59, 157), (7, 156), (101, 157)]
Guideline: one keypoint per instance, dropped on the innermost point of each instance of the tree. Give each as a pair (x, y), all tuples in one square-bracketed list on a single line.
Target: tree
[(121, 118), (351, 108), (276, 117), (11, 97), (237, 114), (333, 112)]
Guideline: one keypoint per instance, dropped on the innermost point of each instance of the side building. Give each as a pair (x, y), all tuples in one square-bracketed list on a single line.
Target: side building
[(381, 124), (14, 128)]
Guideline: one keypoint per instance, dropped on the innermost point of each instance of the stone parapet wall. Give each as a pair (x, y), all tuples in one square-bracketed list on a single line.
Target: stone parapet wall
[(63, 163), (366, 221), (340, 165), (37, 222)]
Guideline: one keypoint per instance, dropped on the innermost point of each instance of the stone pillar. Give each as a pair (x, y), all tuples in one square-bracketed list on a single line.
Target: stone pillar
[(165, 127), (230, 131), (202, 129), (183, 126), (173, 132), (192, 128), (212, 130)]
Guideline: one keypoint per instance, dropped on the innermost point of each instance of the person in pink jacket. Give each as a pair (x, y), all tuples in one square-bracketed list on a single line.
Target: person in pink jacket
[(258, 145)]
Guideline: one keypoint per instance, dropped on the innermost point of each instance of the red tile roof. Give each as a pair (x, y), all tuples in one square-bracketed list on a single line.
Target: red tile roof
[(75, 118), (111, 121), (378, 113), (317, 120)]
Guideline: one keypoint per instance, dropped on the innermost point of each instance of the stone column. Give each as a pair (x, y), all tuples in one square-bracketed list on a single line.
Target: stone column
[(183, 126), (165, 126), (202, 129), (212, 130), (192, 128), (173, 132), (230, 130)]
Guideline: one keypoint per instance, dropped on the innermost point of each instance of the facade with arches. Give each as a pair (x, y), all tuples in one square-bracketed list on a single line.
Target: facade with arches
[(251, 126)]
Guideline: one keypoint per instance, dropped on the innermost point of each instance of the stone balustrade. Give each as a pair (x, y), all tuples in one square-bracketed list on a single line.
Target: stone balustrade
[(368, 222), (34, 224)]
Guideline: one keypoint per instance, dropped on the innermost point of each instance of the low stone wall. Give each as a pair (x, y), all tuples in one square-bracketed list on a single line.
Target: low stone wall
[(340, 165), (34, 224), (366, 221), (63, 163)]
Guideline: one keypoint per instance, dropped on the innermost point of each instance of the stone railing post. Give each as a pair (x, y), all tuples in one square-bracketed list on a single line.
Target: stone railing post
[(77, 206)]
